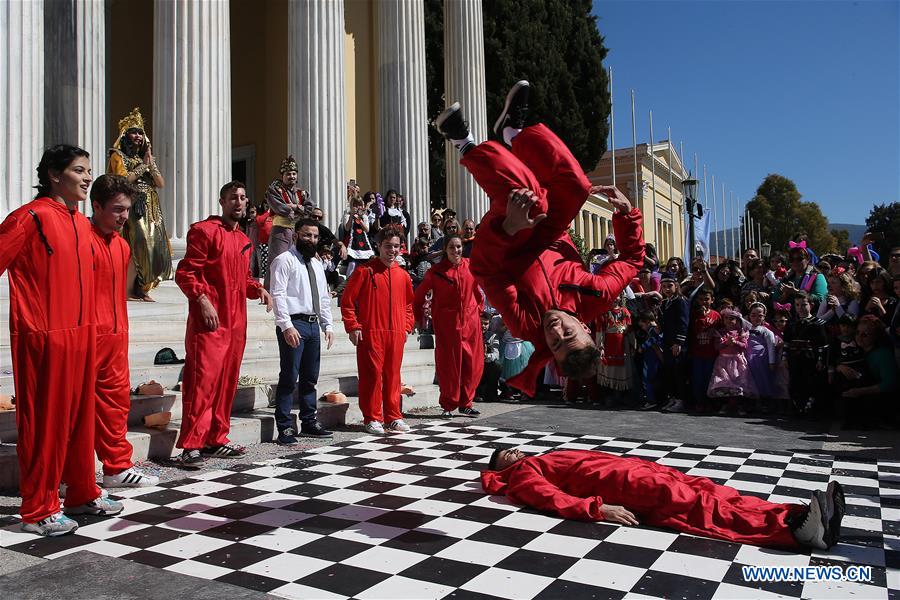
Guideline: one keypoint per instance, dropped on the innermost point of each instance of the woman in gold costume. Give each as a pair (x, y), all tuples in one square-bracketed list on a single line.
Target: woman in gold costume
[(145, 231)]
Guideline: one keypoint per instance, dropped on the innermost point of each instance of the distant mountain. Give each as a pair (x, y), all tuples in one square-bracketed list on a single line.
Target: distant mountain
[(856, 231)]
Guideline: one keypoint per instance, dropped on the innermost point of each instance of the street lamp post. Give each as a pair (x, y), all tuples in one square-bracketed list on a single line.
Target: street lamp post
[(689, 186), (766, 251)]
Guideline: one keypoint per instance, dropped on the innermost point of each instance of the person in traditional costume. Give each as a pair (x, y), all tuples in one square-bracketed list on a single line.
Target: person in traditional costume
[(596, 486), (523, 256), (145, 231), (45, 245), (288, 203)]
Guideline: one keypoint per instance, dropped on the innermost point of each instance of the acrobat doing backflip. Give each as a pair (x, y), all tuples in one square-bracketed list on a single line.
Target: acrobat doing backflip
[(523, 256)]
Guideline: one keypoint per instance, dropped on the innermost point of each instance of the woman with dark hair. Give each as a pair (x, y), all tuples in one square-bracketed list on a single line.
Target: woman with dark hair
[(880, 301), (145, 231), (456, 303), (46, 247), (395, 214), (872, 400), (728, 280), (802, 276)]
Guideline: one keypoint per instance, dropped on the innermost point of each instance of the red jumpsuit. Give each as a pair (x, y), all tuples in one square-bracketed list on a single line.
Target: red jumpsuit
[(112, 391), (47, 250), (217, 265), (576, 483), (378, 301), (539, 269), (456, 313)]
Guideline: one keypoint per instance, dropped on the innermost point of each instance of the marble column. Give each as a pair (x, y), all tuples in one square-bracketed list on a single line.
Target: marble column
[(21, 100), (316, 109), (403, 119), (90, 40), (191, 127), (464, 83), (595, 232)]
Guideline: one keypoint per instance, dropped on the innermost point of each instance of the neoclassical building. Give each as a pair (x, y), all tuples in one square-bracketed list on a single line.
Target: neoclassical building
[(229, 87)]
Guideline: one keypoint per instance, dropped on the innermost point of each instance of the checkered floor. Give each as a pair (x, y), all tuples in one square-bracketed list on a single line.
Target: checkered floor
[(404, 517)]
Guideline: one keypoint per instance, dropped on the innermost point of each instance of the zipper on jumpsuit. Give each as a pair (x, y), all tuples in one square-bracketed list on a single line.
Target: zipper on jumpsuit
[(80, 281)]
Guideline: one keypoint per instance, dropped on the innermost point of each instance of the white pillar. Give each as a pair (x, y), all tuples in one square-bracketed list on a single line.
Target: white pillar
[(403, 122), (90, 39), (191, 128), (316, 111), (21, 100), (464, 82)]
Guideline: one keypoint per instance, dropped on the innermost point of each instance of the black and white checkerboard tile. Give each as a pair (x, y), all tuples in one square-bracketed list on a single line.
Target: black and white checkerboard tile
[(405, 517)]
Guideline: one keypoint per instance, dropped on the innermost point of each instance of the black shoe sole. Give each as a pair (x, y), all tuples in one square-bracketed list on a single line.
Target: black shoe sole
[(498, 124), (444, 116), (316, 435)]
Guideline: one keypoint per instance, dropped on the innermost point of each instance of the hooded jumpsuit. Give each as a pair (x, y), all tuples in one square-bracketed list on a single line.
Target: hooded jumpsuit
[(112, 391), (217, 265), (456, 313), (47, 250), (378, 301), (539, 269), (575, 484)]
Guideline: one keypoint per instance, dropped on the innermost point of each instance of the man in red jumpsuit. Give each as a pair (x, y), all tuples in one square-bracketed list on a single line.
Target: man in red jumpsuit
[(377, 311), (523, 257), (111, 198), (596, 486), (215, 276), (45, 246)]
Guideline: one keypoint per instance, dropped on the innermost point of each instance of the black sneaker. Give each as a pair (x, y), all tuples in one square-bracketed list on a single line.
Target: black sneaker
[(835, 494), (451, 124), (515, 110), (224, 451), (314, 430), (189, 459), (446, 414), (469, 411), (286, 437)]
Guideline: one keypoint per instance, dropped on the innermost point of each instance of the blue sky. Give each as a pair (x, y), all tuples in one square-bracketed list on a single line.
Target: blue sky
[(807, 89)]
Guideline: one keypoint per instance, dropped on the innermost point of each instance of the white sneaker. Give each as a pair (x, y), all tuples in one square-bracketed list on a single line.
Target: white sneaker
[(398, 426), (105, 507), (53, 526), (63, 488), (374, 428), (130, 478)]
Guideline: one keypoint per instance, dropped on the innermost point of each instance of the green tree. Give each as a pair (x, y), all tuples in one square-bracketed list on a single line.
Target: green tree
[(556, 45), (783, 216), (885, 218)]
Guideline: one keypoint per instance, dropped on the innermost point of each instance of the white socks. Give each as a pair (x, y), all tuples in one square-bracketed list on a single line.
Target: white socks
[(509, 133), (462, 144)]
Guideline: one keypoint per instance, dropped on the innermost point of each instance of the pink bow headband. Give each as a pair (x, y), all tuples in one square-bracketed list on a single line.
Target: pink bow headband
[(800, 244), (781, 307)]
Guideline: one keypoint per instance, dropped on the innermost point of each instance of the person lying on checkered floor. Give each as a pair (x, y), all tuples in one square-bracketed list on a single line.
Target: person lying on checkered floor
[(597, 486)]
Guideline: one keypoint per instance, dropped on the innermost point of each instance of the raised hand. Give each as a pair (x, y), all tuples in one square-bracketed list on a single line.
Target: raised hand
[(518, 206)]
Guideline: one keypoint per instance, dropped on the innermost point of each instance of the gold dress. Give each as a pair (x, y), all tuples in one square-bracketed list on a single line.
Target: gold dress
[(151, 251)]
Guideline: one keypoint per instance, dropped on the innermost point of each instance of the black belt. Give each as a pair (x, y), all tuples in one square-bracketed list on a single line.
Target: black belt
[(305, 318)]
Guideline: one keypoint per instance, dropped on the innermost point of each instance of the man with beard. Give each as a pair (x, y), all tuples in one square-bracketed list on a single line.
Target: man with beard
[(288, 204), (302, 306), (215, 276)]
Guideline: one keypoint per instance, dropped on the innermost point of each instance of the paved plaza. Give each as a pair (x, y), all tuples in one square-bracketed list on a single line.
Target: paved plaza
[(404, 516)]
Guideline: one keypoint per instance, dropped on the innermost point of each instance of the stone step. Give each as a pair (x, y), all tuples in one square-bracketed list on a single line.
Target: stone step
[(247, 399), (247, 428)]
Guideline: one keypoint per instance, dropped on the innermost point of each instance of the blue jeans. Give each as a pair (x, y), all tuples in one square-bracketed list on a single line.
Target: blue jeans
[(299, 367)]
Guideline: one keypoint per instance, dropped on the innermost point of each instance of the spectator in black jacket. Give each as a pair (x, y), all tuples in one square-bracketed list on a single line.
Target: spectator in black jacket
[(675, 316)]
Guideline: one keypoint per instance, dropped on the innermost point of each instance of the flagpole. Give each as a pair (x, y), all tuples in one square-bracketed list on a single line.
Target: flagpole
[(696, 175), (672, 194), (725, 249), (612, 128), (706, 204), (736, 229), (759, 240), (653, 172), (638, 188)]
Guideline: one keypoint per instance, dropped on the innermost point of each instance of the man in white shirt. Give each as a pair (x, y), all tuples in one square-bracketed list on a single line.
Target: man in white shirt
[(302, 307)]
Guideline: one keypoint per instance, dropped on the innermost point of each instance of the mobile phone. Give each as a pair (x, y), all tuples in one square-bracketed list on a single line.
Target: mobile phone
[(877, 236)]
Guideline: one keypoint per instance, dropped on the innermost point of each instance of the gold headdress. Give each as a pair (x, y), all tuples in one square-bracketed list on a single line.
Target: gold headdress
[(288, 164), (132, 119)]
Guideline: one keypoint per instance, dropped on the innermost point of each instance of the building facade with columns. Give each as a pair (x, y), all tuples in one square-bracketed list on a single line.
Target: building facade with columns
[(594, 222), (229, 87)]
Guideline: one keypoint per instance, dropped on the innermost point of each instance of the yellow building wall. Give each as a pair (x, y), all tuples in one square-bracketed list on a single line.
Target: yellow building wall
[(361, 96)]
